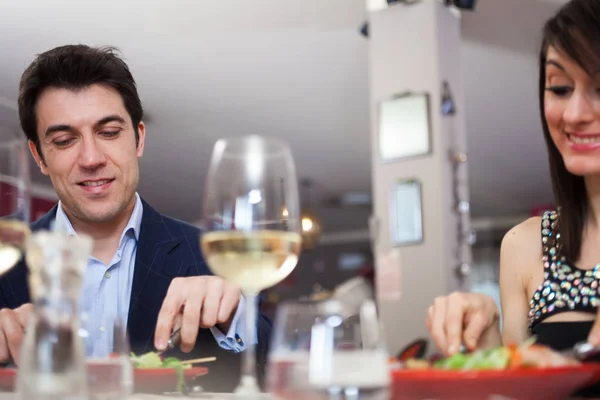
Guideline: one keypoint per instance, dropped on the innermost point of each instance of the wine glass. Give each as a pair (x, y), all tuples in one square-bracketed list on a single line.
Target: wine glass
[(326, 350), (251, 217), (14, 200)]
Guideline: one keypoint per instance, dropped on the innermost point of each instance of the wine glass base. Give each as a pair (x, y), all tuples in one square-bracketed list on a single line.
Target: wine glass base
[(248, 388)]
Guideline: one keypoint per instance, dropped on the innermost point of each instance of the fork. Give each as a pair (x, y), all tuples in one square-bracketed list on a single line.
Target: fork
[(174, 341)]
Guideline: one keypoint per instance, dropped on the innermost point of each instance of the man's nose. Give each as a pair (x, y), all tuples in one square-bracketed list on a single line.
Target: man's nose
[(92, 156)]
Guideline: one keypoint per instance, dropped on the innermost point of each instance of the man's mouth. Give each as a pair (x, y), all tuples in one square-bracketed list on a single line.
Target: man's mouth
[(95, 183)]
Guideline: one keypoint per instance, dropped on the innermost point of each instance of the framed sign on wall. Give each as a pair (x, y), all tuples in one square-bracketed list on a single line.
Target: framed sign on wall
[(404, 127), (406, 218)]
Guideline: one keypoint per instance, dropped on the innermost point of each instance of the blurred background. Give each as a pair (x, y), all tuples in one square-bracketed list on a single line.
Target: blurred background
[(303, 71)]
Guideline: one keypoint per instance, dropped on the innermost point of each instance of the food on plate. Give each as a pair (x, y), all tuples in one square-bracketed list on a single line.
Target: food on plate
[(153, 360), (413, 363), (528, 355)]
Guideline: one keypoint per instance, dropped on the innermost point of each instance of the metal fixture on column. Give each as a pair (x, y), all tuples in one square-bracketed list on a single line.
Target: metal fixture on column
[(468, 5), (458, 159)]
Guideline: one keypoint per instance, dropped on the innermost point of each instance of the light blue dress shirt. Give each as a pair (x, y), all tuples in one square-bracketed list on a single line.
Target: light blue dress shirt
[(106, 291)]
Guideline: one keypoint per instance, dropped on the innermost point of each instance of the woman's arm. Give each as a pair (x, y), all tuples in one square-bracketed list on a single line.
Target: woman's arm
[(520, 259)]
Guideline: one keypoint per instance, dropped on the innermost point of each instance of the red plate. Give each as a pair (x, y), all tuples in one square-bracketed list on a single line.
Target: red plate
[(160, 380), (518, 384), (146, 380)]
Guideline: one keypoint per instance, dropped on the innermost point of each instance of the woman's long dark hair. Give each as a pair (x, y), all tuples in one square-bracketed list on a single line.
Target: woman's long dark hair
[(575, 31)]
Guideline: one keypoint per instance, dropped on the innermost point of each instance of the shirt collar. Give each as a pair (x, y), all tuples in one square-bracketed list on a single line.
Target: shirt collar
[(63, 223)]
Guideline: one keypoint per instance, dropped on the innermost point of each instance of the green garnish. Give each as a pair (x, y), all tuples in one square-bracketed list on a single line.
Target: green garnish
[(497, 358), (153, 360), (148, 360)]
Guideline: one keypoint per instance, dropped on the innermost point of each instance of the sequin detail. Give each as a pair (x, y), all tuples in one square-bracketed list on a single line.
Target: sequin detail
[(565, 287)]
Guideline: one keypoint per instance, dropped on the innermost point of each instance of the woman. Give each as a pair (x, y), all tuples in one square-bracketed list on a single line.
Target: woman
[(549, 266)]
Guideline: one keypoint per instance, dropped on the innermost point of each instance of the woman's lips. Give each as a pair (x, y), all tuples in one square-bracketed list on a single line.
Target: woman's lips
[(584, 143)]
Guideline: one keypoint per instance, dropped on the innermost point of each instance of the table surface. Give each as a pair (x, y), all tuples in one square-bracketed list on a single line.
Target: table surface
[(203, 396)]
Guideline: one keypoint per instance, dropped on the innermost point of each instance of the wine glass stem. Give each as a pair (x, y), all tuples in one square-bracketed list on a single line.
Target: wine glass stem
[(248, 384)]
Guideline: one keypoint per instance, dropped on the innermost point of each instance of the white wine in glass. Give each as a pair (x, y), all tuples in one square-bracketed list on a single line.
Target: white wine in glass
[(251, 219), (14, 201), (254, 260)]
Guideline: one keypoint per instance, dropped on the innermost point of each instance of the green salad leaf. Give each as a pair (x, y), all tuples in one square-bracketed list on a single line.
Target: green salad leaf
[(153, 360), (497, 358), (148, 360)]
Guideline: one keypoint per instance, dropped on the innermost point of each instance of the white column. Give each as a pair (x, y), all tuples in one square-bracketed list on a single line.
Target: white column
[(415, 48)]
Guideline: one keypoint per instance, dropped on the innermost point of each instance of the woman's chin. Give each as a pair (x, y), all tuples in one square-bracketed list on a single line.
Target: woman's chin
[(583, 167)]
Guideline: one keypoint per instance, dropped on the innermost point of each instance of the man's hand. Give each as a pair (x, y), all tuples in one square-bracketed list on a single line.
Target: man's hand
[(12, 330), (203, 301)]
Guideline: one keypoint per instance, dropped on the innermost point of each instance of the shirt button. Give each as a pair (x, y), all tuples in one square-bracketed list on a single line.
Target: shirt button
[(101, 329), (107, 275)]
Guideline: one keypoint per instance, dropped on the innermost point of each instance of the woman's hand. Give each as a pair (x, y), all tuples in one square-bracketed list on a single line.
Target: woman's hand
[(471, 318)]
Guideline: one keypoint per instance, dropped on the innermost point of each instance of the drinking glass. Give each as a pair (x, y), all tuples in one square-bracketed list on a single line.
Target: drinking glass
[(52, 359), (110, 370), (328, 350), (251, 218), (14, 200)]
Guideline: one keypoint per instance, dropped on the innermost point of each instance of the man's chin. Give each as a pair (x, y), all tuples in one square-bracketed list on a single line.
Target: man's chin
[(98, 214)]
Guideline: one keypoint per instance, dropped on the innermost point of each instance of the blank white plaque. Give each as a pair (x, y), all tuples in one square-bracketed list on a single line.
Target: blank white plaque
[(404, 127), (406, 219)]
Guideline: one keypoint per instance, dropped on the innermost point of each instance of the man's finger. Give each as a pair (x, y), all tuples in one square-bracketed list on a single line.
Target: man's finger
[(229, 303), (4, 351), (191, 318), (210, 309), (13, 334), (23, 314), (166, 316)]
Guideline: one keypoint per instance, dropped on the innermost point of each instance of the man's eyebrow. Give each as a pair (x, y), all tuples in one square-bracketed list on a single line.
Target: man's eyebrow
[(110, 118), (58, 128)]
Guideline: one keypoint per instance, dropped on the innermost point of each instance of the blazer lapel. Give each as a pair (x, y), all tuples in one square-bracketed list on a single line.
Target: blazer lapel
[(154, 270)]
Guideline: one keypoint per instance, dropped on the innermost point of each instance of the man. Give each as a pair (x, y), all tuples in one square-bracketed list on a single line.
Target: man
[(82, 116)]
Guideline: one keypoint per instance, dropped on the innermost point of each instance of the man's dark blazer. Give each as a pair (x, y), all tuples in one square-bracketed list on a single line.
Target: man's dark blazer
[(167, 249)]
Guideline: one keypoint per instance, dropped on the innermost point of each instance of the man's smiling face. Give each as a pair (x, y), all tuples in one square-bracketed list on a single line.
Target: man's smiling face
[(89, 150)]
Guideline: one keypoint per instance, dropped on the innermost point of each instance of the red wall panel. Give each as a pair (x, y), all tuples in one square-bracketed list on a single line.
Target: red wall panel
[(39, 205)]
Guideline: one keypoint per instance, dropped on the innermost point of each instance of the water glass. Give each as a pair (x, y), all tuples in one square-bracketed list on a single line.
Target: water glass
[(322, 351), (110, 370)]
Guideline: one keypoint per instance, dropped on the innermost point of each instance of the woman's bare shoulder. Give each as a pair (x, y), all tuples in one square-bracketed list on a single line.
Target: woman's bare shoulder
[(522, 245)]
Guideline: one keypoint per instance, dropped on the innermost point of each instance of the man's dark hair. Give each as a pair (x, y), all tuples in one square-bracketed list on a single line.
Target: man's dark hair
[(75, 67)]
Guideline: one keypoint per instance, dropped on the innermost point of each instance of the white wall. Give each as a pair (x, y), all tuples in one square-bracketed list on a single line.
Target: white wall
[(414, 48)]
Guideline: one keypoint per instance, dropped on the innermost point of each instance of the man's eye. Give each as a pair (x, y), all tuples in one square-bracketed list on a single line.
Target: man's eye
[(63, 143)]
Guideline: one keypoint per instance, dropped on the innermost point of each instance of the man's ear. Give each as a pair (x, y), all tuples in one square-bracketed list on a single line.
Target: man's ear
[(39, 160), (141, 139)]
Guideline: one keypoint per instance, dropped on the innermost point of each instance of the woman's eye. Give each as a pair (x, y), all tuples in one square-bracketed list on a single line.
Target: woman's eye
[(559, 91)]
